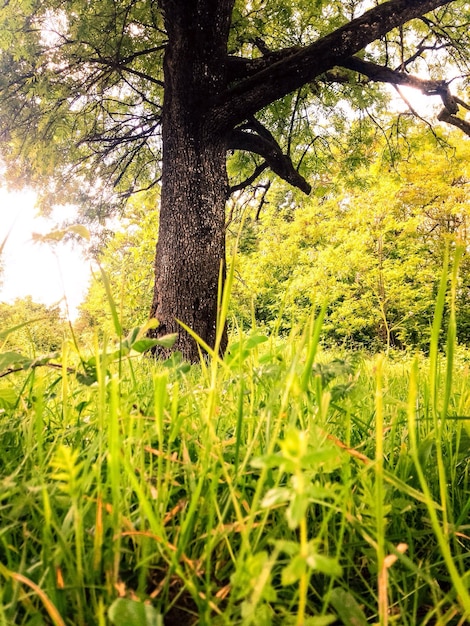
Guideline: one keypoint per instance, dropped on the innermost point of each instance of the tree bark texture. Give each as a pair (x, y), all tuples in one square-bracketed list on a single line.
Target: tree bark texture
[(191, 245)]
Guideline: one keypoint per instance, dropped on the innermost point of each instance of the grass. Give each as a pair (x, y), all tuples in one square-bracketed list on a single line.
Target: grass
[(280, 485)]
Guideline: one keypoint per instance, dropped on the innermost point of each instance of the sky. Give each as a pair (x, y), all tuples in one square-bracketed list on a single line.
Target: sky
[(50, 275)]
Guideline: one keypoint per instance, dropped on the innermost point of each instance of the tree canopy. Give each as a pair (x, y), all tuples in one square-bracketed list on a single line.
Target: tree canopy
[(99, 100), (82, 85)]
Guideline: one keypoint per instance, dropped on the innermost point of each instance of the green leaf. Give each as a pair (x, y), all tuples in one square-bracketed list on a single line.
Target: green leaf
[(276, 496), (125, 612), (268, 460), (288, 547), (240, 349), (347, 608), (254, 341), (320, 620), (8, 397), (167, 341), (142, 345), (90, 375), (294, 570), (11, 359), (295, 444), (296, 510), (66, 468), (133, 336), (112, 304), (321, 563)]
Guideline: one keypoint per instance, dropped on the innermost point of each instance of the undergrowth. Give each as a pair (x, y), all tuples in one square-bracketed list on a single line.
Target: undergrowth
[(279, 485)]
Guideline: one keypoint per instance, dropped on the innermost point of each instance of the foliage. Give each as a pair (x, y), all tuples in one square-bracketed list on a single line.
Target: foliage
[(2, 262), (127, 260), (81, 91), (41, 328), (281, 484), (389, 221), (372, 249), (84, 88)]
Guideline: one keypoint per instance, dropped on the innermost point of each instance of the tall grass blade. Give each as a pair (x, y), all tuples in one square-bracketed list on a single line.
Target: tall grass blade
[(435, 338), (314, 339), (111, 303), (451, 332)]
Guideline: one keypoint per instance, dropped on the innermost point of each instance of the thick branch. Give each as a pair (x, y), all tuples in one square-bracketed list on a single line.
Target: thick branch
[(241, 68), (267, 147), (446, 116), (293, 69), (380, 73), (427, 87)]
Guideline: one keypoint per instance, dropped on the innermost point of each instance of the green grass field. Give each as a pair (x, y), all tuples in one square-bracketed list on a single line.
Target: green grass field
[(283, 484)]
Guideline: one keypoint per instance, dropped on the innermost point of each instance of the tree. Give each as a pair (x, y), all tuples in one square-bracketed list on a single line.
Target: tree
[(108, 84)]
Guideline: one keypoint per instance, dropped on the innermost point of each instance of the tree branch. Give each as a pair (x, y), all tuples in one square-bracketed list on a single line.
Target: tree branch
[(446, 116), (259, 169), (290, 69), (382, 74), (119, 67), (263, 143), (427, 87)]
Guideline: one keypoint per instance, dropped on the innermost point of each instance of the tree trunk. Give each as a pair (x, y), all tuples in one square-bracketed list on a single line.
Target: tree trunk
[(191, 242)]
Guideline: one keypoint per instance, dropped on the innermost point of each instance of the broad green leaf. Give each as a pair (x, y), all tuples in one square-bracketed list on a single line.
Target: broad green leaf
[(254, 340), (297, 509), (167, 341), (288, 547), (8, 397), (145, 344), (12, 359), (142, 345), (347, 608), (278, 495), (321, 563), (294, 570), (272, 461), (125, 612)]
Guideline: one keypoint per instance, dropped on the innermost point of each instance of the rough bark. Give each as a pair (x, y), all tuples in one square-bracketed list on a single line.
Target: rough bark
[(449, 118), (191, 245)]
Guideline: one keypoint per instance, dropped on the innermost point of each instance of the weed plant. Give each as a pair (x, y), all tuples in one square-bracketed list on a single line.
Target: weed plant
[(278, 485)]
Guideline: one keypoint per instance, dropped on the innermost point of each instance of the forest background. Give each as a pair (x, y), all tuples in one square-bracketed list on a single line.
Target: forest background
[(369, 241)]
